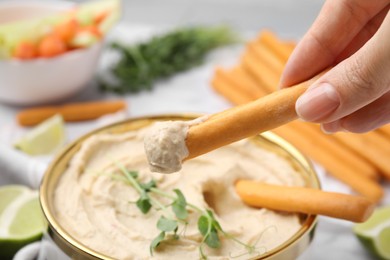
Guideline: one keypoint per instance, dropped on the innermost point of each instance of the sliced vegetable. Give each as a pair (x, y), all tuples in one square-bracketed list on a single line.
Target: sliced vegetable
[(51, 46), (67, 30), (25, 51), (97, 17)]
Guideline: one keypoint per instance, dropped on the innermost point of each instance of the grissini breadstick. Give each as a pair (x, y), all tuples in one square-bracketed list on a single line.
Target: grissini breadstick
[(230, 92), (239, 82), (70, 112), (373, 146), (245, 78), (385, 130), (282, 50), (243, 121), (316, 139), (334, 155), (332, 163), (328, 144), (168, 144), (357, 162), (305, 200), (259, 71), (261, 51)]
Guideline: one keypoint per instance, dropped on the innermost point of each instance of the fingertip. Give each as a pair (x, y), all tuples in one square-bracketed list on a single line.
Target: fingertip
[(289, 75)]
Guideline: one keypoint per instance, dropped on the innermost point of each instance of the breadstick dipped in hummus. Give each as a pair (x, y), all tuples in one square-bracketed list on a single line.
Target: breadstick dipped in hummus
[(169, 143)]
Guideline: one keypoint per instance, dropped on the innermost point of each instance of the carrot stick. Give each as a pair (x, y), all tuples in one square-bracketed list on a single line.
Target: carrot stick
[(283, 51), (332, 163), (327, 144), (373, 146), (100, 17), (305, 200), (230, 92), (66, 31), (51, 45), (25, 51), (70, 112)]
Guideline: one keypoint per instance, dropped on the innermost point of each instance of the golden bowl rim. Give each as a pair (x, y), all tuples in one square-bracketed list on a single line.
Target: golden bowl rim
[(55, 227)]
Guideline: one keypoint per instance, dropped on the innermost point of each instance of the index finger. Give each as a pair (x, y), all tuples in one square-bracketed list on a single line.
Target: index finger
[(337, 24)]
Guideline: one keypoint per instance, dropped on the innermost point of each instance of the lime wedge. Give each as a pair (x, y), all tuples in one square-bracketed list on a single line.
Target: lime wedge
[(375, 233), (21, 219), (45, 138)]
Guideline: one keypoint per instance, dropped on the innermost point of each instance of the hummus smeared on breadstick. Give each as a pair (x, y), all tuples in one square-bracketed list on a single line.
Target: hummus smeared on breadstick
[(165, 144), (231, 125)]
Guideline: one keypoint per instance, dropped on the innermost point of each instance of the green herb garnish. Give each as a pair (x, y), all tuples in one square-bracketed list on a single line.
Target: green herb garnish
[(175, 214), (162, 56)]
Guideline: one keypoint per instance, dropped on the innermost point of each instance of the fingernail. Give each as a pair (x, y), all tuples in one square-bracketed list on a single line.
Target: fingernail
[(317, 102)]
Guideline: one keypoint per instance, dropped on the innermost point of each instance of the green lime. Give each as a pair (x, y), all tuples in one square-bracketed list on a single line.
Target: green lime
[(375, 233), (21, 219), (44, 138)]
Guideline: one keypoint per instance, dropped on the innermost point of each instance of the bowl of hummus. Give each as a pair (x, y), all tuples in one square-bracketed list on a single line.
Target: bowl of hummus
[(102, 201)]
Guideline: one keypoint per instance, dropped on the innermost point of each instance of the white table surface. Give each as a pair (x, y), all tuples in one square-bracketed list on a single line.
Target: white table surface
[(190, 92)]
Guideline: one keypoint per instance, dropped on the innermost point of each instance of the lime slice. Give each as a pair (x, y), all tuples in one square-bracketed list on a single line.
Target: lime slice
[(45, 138), (21, 219), (375, 233)]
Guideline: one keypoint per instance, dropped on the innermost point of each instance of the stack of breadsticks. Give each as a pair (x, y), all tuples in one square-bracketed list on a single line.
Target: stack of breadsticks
[(358, 160)]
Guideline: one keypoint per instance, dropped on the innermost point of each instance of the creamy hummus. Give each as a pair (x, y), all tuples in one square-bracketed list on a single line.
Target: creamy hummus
[(165, 144), (98, 210)]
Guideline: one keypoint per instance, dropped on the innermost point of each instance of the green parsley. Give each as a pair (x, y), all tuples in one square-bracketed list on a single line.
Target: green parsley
[(140, 65)]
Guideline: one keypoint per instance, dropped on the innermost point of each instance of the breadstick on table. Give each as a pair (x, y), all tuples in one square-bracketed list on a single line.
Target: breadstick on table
[(239, 82), (241, 75), (260, 71), (305, 200), (373, 146), (315, 140), (349, 161), (282, 50), (263, 52), (70, 112), (335, 165), (385, 130), (230, 92), (330, 145)]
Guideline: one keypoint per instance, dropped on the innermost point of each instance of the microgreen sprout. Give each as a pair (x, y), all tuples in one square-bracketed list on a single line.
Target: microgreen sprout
[(175, 214)]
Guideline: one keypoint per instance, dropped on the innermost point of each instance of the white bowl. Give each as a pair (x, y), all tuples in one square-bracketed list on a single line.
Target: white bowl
[(44, 80)]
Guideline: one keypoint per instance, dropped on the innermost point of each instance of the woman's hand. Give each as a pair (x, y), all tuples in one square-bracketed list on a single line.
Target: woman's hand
[(353, 36)]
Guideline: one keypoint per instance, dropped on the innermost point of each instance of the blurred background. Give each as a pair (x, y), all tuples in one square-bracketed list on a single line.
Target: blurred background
[(190, 91), (287, 17)]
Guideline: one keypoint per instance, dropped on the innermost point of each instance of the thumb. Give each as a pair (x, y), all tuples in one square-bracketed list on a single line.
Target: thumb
[(352, 84)]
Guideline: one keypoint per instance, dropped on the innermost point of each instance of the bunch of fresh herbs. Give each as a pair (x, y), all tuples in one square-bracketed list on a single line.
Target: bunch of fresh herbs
[(179, 50)]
